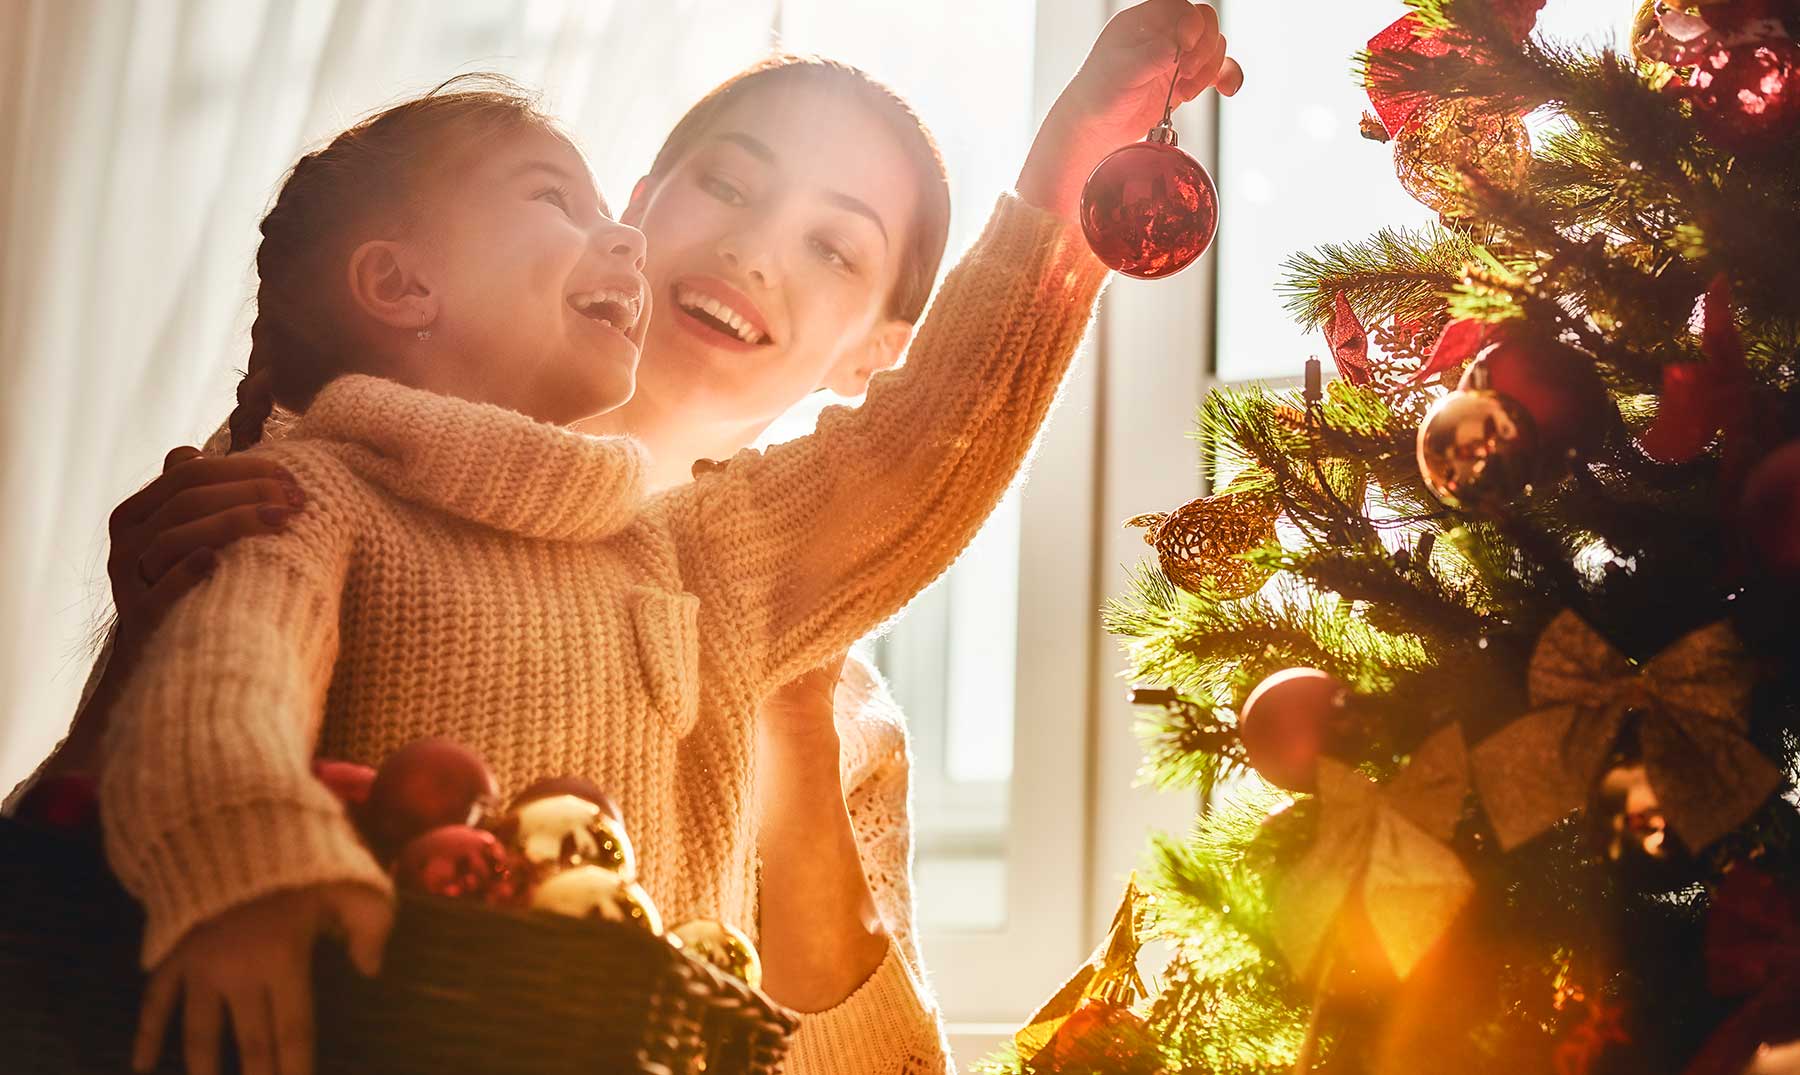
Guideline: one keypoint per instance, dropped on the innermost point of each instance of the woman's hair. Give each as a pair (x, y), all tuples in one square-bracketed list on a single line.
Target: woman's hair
[(358, 186), (931, 227)]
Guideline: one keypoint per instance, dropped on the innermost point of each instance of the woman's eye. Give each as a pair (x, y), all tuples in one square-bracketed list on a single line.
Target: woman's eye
[(831, 254), (722, 189)]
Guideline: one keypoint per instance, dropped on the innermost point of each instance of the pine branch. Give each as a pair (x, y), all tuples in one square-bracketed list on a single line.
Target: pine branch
[(1395, 273)]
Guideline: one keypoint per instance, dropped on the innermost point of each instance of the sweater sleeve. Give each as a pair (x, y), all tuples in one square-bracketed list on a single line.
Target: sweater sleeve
[(804, 547), (207, 798), (884, 1028)]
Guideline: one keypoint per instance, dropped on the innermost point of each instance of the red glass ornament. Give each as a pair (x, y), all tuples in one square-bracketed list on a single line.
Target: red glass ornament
[(69, 803), (1148, 210), (1745, 95), (1556, 384), (463, 863), (1284, 724), (423, 785)]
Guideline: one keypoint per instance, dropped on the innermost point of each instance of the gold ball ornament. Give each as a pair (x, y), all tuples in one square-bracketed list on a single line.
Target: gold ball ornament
[(1477, 449), (596, 892), (721, 944), (1197, 543), (1643, 24), (1630, 815), (1447, 136), (560, 831)]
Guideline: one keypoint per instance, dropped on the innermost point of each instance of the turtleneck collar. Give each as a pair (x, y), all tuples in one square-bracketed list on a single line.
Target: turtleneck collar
[(481, 462)]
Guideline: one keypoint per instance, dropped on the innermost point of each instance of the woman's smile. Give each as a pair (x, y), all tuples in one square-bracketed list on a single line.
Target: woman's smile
[(719, 314)]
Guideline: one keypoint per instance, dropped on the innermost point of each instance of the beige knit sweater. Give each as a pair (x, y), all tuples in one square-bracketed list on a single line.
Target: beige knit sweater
[(463, 571)]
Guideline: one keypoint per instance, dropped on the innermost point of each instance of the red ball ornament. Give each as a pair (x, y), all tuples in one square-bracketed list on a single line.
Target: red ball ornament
[(463, 863), (1744, 95), (1771, 511), (1285, 722), (1098, 1035), (350, 782), (1148, 210), (579, 786), (1557, 386), (68, 804), (423, 785)]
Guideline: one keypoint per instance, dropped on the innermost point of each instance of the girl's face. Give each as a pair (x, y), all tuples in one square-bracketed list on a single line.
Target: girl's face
[(535, 296), (775, 244)]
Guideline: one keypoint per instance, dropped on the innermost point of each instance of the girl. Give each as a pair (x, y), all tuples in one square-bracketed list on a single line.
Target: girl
[(524, 400)]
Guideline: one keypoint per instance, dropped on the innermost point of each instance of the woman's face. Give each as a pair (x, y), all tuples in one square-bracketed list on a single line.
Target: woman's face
[(774, 246), (538, 302)]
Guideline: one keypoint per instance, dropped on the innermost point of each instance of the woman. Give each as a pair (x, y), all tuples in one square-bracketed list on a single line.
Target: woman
[(796, 217)]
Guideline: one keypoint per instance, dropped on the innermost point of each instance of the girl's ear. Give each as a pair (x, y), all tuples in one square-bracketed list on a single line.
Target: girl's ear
[(386, 285), (634, 209), (881, 351)]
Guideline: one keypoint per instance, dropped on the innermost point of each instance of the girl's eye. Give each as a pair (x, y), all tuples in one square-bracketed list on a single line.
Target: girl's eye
[(832, 255), (722, 189), (557, 196)]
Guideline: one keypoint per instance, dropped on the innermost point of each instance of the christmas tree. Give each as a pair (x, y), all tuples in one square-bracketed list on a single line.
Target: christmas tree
[(1485, 655)]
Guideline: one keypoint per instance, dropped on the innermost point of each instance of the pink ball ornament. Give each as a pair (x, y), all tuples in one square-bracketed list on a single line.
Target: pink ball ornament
[(1285, 722)]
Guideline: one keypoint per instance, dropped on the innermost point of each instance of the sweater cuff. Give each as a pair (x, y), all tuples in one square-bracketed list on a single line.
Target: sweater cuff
[(232, 855), (881, 1027), (1045, 245)]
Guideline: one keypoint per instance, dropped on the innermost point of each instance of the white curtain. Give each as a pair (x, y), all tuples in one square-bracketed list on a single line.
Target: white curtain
[(139, 145)]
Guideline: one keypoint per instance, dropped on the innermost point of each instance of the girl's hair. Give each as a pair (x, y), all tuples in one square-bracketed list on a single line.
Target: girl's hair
[(356, 187), (924, 249)]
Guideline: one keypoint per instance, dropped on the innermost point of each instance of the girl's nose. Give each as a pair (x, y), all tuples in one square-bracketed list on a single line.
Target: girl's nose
[(624, 242)]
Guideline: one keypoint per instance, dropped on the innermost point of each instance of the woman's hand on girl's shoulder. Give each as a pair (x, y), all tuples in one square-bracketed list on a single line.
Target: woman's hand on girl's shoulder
[(166, 536), (1119, 94), (255, 963)]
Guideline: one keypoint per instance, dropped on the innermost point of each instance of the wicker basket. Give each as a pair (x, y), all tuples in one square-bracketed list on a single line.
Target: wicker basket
[(463, 988)]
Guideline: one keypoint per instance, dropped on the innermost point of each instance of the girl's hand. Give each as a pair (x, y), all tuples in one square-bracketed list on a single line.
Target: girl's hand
[(166, 536), (1118, 94), (256, 961)]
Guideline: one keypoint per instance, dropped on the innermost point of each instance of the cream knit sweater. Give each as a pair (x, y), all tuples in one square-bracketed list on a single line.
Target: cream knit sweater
[(463, 571)]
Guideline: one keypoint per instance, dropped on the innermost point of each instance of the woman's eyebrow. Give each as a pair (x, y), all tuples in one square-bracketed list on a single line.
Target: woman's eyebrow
[(760, 150)]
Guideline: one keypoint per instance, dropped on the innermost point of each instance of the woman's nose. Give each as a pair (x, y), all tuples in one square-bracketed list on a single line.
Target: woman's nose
[(750, 267), (624, 242)]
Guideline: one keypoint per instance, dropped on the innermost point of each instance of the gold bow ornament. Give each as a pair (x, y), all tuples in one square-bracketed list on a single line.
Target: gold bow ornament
[(1385, 844), (1691, 701)]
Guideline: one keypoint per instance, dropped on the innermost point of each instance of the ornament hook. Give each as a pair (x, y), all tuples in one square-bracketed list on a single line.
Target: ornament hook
[(1164, 133)]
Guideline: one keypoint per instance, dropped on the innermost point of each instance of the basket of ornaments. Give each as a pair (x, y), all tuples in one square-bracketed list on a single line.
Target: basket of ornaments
[(522, 942)]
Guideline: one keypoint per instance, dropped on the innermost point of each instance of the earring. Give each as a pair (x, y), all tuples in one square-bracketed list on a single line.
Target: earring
[(424, 334)]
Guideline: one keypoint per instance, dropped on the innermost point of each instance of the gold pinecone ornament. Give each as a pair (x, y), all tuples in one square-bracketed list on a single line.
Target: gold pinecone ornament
[(1198, 544)]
